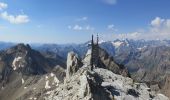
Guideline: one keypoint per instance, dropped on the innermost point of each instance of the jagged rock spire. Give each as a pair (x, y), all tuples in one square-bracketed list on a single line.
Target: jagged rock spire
[(73, 64), (94, 53)]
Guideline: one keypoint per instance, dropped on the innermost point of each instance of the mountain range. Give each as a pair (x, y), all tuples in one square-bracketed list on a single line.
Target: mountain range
[(145, 61)]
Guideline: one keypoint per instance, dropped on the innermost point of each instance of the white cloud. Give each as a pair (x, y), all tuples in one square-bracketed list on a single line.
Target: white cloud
[(89, 28), (160, 25), (19, 19), (133, 35), (110, 26), (81, 28), (77, 28), (159, 29), (3, 5), (82, 19), (168, 23), (110, 2), (157, 22)]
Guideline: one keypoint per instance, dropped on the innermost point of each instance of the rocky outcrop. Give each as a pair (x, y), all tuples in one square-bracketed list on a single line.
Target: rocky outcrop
[(124, 88), (107, 62), (98, 84), (73, 64), (83, 85), (59, 72), (101, 84), (147, 61), (87, 58)]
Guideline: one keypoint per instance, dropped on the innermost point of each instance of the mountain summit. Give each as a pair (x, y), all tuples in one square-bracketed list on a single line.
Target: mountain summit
[(98, 84), (28, 75), (20, 67), (21, 58)]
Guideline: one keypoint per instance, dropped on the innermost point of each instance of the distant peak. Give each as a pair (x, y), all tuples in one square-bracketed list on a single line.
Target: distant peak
[(23, 46), (19, 47)]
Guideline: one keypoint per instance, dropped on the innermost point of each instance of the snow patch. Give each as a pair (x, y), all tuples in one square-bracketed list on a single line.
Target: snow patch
[(117, 44), (23, 81), (52, 74), (141, 48), (49, 92), (46, 77), (47, 86), (35, 98), (14, 62), (101, 41)]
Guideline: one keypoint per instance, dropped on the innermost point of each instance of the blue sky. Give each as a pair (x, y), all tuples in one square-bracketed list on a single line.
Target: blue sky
[(73, 21)]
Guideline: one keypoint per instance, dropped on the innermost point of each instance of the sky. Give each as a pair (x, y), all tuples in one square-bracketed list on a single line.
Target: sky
[(74, 21)]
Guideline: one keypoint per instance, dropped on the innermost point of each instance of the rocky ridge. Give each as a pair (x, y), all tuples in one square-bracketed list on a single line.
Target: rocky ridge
[(25, 72), (99, 84), (108, 81), (147, 61)]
